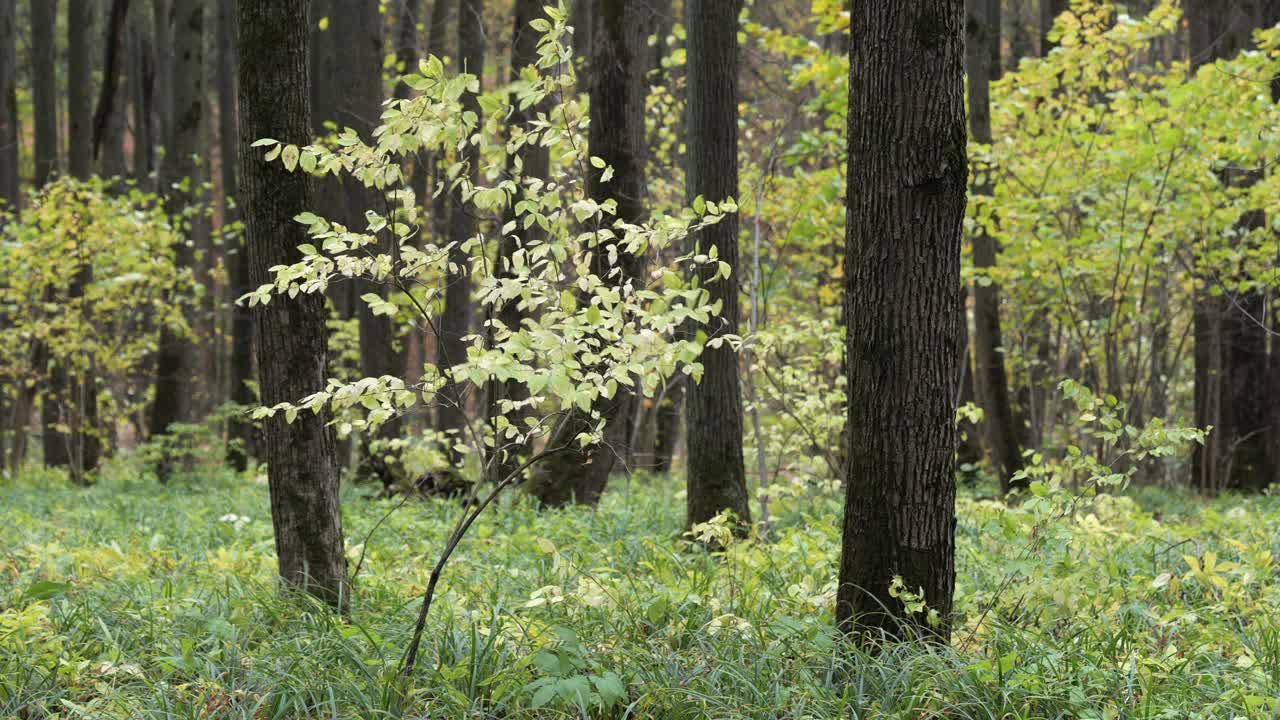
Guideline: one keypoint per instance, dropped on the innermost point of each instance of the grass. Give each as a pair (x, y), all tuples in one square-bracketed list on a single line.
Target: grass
[(133, 600)]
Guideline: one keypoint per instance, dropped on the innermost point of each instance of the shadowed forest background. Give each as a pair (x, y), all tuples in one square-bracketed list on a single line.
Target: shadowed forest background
[(630, 359)]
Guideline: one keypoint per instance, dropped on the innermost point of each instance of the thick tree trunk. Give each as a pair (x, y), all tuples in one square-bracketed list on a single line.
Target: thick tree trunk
[(244, 438), (175, 359), (455, 319), (616, 135), (534, 161), (10, 189), (716, 477), (79, 107), (906, 203), (142, 96), (992, 381), (302, 461)]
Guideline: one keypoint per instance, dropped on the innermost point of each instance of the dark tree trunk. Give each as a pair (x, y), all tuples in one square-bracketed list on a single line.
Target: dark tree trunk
[(142, 84), (716, 477), (175, 359), (108, 118), (992, 381), (1231, 365), (302, 457), (243, 436), (906, 204), (44, 88), (535, 163), (1049, 12), (162, 66), (455, 319), (79, 108), (10, 190), (616, 136), (670, 412)]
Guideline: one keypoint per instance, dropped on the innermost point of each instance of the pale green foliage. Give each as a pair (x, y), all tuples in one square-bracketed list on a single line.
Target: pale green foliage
[(120, 243), (589, 329)]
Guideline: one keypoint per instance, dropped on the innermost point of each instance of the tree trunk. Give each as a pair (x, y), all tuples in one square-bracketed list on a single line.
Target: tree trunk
[(79, 109), (907, 179), (1231, 365), (302, 460), (109, 114), (616, 135), (669, 414), (535, 163), (455, 319), (244, 438), (44, 88), (716, 477), (10, 189), (1049, 12), (142, 84), (992, 381), (181, 177)]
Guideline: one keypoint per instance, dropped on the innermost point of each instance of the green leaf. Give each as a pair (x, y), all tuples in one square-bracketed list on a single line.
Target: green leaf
[(46, 590)]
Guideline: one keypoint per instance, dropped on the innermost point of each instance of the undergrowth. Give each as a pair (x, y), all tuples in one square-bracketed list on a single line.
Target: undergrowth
[(135, 600)]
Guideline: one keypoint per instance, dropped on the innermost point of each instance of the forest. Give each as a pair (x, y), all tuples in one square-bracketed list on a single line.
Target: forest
[(680, 359)]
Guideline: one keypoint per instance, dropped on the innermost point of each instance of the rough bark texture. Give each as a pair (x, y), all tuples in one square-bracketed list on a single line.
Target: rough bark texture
[(1231, 364), (535, 163), (176, 355), (302, 462), (9, 188), (455, 319), (906, 202), (716, 477), (616, 135), (44, 88), (237, 255), (1000, 427)]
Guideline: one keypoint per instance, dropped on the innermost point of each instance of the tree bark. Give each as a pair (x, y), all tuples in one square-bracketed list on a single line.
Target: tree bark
[(243, 434), (907, 177), (79, 108), (10, 188), (175, 359), (715, 474), (1049, 12), (616, 135), (455, 319), (992, 381), (44, 88), (302, 457)]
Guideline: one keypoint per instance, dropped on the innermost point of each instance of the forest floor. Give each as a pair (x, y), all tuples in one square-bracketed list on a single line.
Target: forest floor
[(133, 600)]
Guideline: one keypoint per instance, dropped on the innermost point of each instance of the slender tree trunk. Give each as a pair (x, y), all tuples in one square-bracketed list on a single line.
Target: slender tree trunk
[(906, 204), (302, 456), (109, 114), (79, 106), (244, 438), (455, 320), (142, 82), (10, 189), (163, 60), (716, 477), (534, 163), (670, 412), (1050, 10), (175, 360), (44, 88), (1000, 425), (616, 136)]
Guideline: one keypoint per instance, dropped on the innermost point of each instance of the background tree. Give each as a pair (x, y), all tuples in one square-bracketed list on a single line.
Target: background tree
[(716, 476), (9, 150), (455, 319), (302, 468), (616, 136), (907, 178), (982, 62), (181, 178)]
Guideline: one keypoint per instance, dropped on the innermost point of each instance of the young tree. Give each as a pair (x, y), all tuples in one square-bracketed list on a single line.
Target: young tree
[(181, 176), (455, 320), (616, 136), (9, 187), (716, 477), (302, 468), (982, 62), (907, 178)]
